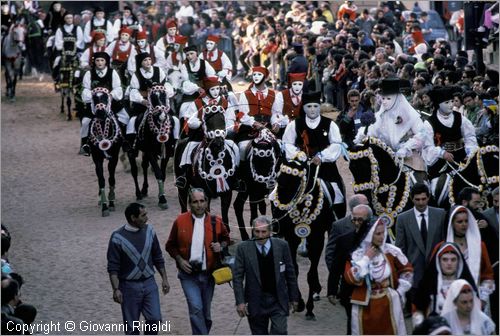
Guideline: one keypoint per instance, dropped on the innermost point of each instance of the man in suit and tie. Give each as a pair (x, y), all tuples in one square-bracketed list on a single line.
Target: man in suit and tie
[(264, 280), (418, 230), (339, 228)]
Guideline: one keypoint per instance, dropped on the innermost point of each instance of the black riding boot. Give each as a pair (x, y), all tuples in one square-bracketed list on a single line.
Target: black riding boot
[(84, 147)]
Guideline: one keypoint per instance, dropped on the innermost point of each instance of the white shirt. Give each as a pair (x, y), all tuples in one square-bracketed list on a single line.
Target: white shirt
[(329, 154), (209, 70), (267, 246), (192, 114), (135, 95), (432, 153), (245, 109), (418, 216), (110, 32), (227, 66), (116, 92), (59, 42), (131, 66), (184, 11), (198, 241)]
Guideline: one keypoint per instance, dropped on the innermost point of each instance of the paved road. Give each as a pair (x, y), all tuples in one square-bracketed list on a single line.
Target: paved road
[(49, 203)]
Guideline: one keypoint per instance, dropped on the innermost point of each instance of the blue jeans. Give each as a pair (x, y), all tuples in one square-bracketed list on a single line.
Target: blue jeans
[(140, 297), (199, 290)]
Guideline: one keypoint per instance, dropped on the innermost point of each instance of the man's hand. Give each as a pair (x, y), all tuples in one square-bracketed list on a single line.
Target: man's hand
[(332, 299), (145, 102), (216, 247), (482, 223), (118, 296), (448, 156), (258, 126), (165, 287), (351, 113), (241, 309), (275, 129), (316, 160), (184, 265)]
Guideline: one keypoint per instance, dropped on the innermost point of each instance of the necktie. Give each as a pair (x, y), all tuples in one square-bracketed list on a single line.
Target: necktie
[(100, 72), (263, 250), (423, 228), (260, 95), (210, 55), (295, 99)]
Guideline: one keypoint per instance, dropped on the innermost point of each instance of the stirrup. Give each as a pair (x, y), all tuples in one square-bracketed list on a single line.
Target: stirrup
[(180, 182), (84, 150)]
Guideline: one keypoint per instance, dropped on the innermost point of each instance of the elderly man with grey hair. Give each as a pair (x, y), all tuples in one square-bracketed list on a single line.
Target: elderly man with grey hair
[(338, 251), (491, 214), (339, 228)]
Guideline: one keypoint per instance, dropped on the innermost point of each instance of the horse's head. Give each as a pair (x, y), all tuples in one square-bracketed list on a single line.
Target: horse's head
[(291, 181), (101, 102), (214, 124), (158, 97), (263, 155)]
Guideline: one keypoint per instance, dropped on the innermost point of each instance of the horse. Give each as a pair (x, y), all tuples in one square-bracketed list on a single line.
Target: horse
[(13, 47), (155, 138), (259, 172), (105, 140), (214, 161), (480, 171), (67, 81), (382, 177), (302, 209)]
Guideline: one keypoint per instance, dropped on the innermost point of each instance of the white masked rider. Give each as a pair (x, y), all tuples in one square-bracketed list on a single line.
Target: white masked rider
[(289, 101), (211, 102), (399, 126), (318, 137)]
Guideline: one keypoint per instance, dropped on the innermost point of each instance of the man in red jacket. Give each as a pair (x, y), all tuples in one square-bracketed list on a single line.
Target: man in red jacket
[(196, 246)]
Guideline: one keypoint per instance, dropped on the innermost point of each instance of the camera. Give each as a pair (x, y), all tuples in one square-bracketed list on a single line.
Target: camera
[(196, 266)]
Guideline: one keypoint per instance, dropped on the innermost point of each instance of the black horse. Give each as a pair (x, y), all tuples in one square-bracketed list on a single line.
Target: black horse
[(480, 171), (12, 50), (259, 171), (382, 177), (155, 138), (69, 66), (302, 211), (105, 139), (214, 161)]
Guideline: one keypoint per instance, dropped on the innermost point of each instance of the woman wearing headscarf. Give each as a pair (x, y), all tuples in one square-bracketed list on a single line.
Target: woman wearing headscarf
[(463, 230), (447, 264), (462, 310), (381, 275)]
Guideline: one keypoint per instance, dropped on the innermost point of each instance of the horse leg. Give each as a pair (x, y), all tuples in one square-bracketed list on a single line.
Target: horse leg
[(8, 80), (293, 243), (315, 248), (134, 171), (68, 104), (239, 204), (162, 200), (262, 206), (225, 204), (63, 94), (145, 185), (113, 162), (98, 159)]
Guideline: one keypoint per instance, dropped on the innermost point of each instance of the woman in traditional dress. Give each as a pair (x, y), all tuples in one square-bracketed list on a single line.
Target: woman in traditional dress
[(447, 264), (463, 230), (462, 310), (382, 275)]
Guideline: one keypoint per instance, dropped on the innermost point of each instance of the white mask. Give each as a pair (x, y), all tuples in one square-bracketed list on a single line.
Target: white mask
[(297, 87), (57, 7), (257, 77), (177, 46), (210, 45), (446, 107), (142, 43), (214, 91), (388, 101), (5, 9), (124, 37), (172, 31), (312, 110)]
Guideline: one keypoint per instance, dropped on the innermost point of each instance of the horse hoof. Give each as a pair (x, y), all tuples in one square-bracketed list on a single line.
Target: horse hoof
[(144, 192), (162, 203), (310, 317), (12, 99), (105, 213), (138, 196), (111, 206), (302, 306), (316, 297)]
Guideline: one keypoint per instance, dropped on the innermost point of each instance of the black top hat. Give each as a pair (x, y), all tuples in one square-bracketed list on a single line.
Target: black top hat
[(311, 97), (190, 48), (442, 94), (98, 9), (298, 48), (102, 54), (140, 57), (389, 86)]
